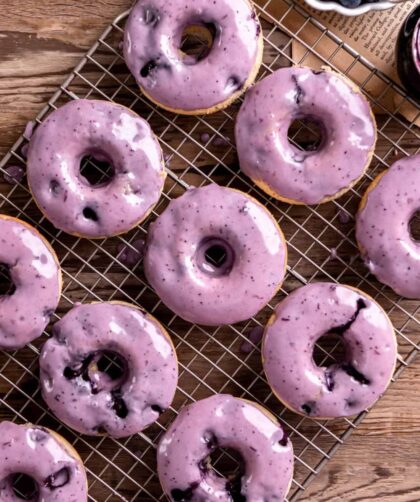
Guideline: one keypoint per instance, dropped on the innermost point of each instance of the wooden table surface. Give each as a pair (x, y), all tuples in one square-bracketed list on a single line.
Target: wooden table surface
[(40, 42)]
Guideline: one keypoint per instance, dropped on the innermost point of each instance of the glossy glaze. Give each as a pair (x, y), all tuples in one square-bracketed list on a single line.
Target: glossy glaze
[(108, 132), (223, 421), (179, 82), (190, 285), (89, 400), (382, 227), (280, 168), (408, 53), (35, 273), (342, 389), (36, 452)]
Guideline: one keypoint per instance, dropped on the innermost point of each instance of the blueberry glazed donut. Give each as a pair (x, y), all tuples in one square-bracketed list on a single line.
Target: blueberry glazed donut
[(128, 397), (292, 175), (106, 132), (342, 389), (223, 421), (383, 232), (31, 266), (215, 256), (54, 468), (183, 83)]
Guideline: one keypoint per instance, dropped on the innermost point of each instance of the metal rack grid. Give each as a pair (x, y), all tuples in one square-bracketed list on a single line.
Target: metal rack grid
[(198, 151)]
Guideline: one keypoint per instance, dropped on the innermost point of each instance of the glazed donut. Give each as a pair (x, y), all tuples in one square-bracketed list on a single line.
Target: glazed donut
[(383, 227), (342, 389), (223, 421), (238, 228), (79, 391), (35, 277), (282, 170), (107, 132), (186, 84), (53, 465)]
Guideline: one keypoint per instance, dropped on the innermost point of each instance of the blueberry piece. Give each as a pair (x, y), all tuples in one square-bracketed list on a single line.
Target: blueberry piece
[(150, 16), (308, 407), (234, 84), (90, 214), (118, 404), (299, 92), (148, 68), (157, 408), (351, 4), (355, 374), (183, 495), (58, 479)]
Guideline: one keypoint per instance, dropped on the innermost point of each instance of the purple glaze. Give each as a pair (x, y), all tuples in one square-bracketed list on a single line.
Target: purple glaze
[(382, 228), (24, 150), (192, 286), (91, 401), (342, 389), (36, 452), (179, 82), (254, 338), (130, 255), (281, 169), (29, 130), (108, 132), (14, 174), (223, 421), (35, 274)]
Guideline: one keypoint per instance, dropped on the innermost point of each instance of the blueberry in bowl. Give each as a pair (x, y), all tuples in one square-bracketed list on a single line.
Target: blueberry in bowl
[(351, 7), (408, 53)]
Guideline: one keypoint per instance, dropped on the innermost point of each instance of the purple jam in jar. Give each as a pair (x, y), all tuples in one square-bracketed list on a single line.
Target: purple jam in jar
[(408, 53)]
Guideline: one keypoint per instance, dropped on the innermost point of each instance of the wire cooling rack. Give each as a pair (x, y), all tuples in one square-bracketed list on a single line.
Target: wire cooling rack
[(201, 150)]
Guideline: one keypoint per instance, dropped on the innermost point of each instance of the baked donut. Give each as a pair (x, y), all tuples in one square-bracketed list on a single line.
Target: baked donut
[(346, 123), (53, 466), (107, 132), (215, 256), (383, 227), (32, 267), (342, 389), (223, 421), (128, 398), (183, 83)]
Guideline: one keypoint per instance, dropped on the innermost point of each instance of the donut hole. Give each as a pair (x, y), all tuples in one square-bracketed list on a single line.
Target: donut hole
[(112, 365), (215, 257), (7, 286), (96, 169), (329, 349), (197, 41), (414, 226), (306, 134), (24, 487), (225, 463)]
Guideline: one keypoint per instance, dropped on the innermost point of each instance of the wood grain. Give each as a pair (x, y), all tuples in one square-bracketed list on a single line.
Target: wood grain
[(40, 42)]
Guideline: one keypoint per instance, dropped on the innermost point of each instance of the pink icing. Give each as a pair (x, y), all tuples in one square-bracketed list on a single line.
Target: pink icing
[(34, 451), (131, 254), (14, 174), (35, 274), (342, 389), (108, 132), (89, 400), (382, 228), (152, 51), (223, 421), (308, 177), (196, 290)]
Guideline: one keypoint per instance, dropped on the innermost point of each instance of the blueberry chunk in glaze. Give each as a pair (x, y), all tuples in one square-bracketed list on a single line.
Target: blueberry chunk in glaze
[(345, 387), (223, 421), (108, 369)]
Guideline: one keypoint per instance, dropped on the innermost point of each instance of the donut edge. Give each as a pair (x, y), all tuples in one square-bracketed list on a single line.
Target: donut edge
[(313, 417)]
